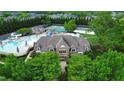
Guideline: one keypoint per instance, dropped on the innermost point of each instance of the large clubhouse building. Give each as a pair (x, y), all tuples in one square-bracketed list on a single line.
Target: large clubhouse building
[(64, 44)]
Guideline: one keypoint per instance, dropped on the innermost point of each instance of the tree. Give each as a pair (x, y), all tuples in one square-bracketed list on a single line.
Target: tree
[(6, 14), (80, 68), (101, 70), (115, 61), (8, 26), (10, 62), (16, 69), (2, 77), (70, 26), (46, 21), (22, 15), (45, 66), (1, 19), (108, 66), (109, 30), (21, 71)]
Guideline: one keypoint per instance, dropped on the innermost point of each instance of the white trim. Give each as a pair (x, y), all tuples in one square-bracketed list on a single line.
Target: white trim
[(81, 53), (62, 46)]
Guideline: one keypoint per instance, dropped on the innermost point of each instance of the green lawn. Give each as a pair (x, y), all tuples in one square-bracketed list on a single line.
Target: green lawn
[(91, 38)]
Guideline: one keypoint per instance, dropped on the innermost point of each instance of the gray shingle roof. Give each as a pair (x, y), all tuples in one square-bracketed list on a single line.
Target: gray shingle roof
[(70, 41)]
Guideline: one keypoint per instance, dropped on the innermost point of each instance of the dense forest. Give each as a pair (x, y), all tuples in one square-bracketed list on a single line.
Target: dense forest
[(9, 23)]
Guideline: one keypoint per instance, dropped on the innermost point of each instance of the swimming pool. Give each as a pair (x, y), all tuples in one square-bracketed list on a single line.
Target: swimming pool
[(23, 43), (57, 29)]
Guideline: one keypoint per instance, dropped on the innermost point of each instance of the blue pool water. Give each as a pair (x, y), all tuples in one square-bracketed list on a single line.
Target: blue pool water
[(11, 45), (57, 29)]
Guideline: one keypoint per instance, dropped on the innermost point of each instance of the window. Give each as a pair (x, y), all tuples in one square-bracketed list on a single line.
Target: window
[(38, 48), (86, 48), (62, 51), (63, 57), (73, 50), (51, 49)]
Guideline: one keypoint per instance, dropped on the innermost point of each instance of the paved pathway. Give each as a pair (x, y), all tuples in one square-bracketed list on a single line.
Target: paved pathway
[(63, 70), (29, 55), (63, 65)]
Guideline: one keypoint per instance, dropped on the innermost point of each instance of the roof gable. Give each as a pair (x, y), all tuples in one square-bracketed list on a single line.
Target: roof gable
[(62, 43)]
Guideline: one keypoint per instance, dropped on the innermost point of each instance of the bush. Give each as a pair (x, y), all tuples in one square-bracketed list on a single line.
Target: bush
[(23, 30)]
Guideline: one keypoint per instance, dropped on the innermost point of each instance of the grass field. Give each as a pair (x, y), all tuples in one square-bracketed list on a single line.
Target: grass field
[(91, 38)]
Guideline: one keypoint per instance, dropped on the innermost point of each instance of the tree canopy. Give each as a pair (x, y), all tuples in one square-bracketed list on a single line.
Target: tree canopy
[(70, 26), (23, 15), (115, 61), (109, 30), (45, 66), (79, 68), (108, 66), (15, 69), (7, 13), (46, 21)]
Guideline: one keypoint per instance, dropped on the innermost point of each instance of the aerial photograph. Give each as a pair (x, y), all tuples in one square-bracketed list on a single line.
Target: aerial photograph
[(61, 46)]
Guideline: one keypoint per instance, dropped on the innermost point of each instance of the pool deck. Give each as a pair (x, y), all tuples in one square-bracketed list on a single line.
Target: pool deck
[(72, 34), (84, 32), (23, 50)]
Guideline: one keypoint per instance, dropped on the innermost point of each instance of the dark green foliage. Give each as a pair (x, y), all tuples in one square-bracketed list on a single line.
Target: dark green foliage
[(62, 20), (21, 71), (24, 30), (45, 66), (115, 61), (101, 70), (22, 15), (108, 66), (46, 21), (70, 26), (24, 20), (10, 62), (15, 68), (6, 14), (80, 68), (109, 30), (83, 68), (11, 25)]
